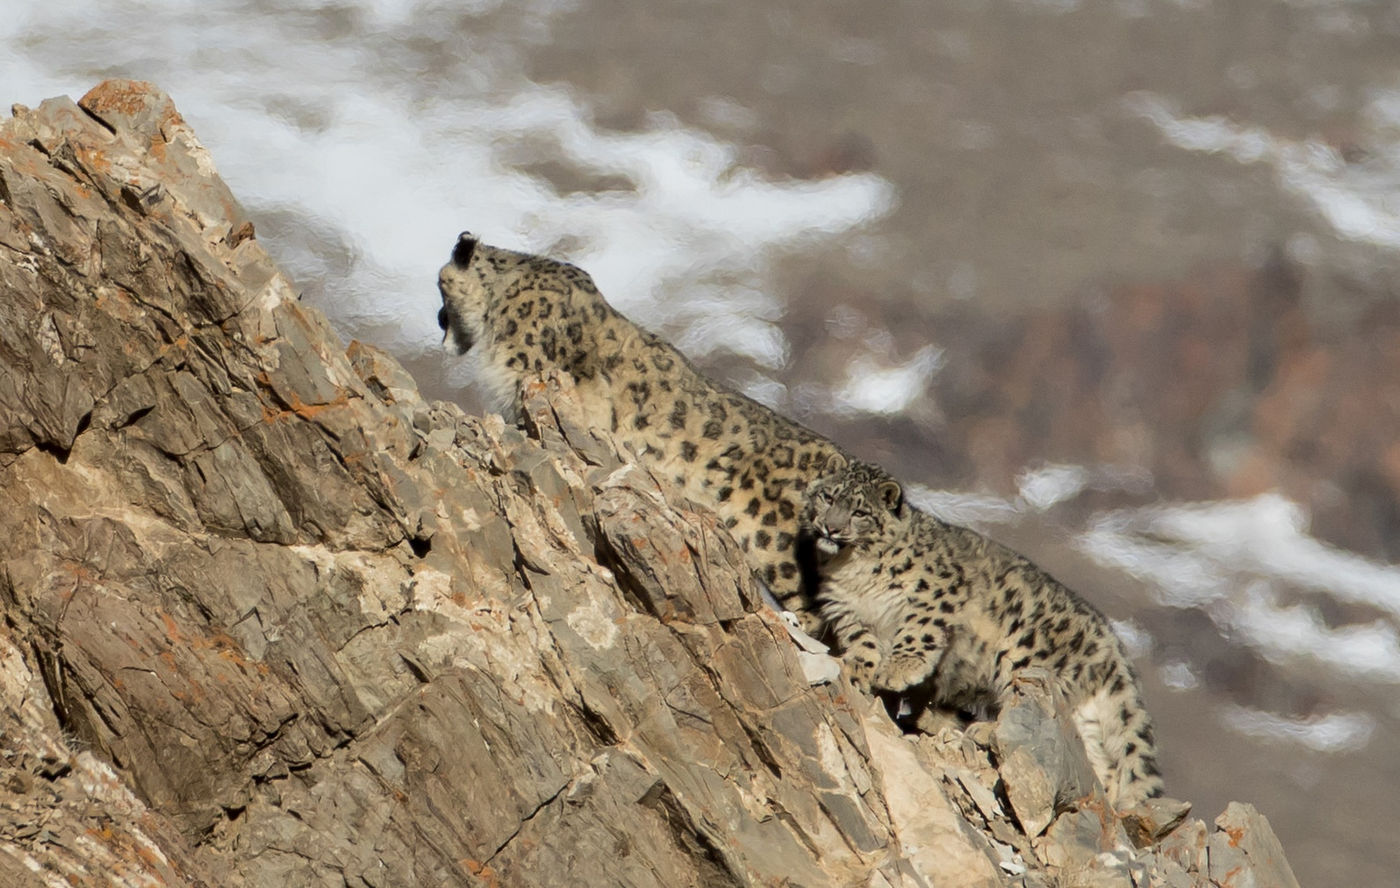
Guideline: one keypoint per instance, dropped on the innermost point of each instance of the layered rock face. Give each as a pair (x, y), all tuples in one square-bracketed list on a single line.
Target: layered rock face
[(273, 619)]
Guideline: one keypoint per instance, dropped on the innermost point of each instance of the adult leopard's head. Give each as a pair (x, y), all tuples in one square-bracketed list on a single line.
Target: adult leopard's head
[(853, 505), (463, 296), (492, 296)]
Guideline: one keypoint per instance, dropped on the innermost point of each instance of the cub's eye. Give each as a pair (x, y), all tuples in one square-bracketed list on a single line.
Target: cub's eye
[(860, 513)]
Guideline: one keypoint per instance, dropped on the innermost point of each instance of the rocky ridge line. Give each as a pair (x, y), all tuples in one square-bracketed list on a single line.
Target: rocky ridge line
[(271, 618)]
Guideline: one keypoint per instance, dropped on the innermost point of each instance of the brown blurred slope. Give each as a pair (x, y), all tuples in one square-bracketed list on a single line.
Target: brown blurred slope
[(1222, 384)]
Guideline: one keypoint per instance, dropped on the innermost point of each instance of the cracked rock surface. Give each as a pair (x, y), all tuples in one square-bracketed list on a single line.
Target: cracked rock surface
[(271, 618)]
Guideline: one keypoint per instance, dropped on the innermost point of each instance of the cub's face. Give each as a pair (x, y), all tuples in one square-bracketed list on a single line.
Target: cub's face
[(852, 506)]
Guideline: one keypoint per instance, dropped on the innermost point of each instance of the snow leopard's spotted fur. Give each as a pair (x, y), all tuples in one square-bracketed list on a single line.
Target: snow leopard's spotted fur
[(914, 602)]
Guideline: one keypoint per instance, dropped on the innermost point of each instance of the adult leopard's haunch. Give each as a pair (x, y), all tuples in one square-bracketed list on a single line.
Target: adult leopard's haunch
[(520, 315)]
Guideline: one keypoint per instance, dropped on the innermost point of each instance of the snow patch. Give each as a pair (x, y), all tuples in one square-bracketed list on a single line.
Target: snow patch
[(876, 386), (1357, 201), (1338, 732), (1231, 558)]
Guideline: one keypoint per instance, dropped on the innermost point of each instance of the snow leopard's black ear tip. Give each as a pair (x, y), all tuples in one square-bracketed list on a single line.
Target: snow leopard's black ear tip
[(462, 252), (891, 493)]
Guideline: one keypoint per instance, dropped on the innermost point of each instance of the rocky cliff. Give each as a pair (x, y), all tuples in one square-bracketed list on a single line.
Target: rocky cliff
[(271, 618)]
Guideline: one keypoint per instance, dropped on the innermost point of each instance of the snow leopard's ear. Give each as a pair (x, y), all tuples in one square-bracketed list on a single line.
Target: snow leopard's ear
[(834, 463), (891, 496)]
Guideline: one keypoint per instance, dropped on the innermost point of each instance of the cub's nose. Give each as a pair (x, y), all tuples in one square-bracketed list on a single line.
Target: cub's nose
[(462, 253)]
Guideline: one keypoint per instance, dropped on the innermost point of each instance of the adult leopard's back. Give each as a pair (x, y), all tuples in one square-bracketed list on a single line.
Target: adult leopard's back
[(520, 314)]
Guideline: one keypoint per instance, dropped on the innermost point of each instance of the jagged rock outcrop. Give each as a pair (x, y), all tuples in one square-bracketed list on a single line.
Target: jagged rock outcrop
[(271, 618)]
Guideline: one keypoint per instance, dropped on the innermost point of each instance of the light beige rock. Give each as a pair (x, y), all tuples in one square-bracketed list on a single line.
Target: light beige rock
[(938, 842), (1245, 853), (1042, 760)]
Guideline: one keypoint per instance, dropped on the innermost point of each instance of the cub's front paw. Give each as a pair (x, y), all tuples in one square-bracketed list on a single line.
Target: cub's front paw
[(809, 622), (902, 671), (861, 666)]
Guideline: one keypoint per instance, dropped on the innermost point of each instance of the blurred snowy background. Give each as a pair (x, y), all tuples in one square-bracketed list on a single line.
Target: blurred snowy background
[(1114, 280)]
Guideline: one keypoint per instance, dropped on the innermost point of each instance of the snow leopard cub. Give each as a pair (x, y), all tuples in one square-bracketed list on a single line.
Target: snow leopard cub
[(917, 603)]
